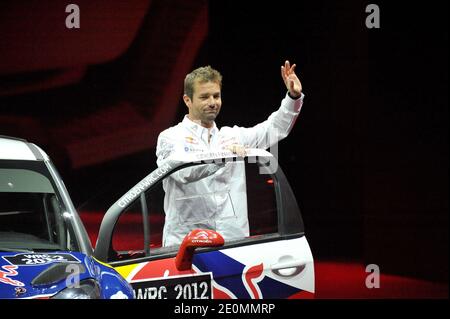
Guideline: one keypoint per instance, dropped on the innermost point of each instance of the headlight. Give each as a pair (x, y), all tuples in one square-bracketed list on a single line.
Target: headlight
[(87, 289)]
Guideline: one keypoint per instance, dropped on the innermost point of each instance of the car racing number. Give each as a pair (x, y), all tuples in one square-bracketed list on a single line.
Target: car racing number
[(186, 287)]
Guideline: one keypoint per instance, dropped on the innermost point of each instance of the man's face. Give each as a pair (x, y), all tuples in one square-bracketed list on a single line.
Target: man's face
[(205, 103)]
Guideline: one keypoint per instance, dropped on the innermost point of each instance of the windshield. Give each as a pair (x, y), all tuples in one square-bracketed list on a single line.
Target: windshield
[(32, 216)]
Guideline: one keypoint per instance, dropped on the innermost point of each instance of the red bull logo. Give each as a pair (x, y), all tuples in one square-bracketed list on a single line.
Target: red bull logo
[(9, 271)]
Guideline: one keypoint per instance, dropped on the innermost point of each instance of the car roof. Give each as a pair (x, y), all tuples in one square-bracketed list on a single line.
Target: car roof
[(12, 148)]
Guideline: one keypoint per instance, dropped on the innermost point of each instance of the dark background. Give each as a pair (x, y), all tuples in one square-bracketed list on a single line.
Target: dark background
[(368, 157)]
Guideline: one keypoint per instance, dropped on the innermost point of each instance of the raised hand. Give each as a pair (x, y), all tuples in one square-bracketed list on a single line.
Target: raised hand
[(291, 80)]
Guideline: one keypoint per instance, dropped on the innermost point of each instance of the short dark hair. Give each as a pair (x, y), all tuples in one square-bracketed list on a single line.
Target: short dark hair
[(202, 75)]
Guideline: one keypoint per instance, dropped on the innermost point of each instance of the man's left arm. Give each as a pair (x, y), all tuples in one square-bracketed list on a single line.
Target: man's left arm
[(279, 123)]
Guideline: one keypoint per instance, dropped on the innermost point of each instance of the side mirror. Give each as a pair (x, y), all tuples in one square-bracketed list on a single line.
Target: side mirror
[(196, 238)]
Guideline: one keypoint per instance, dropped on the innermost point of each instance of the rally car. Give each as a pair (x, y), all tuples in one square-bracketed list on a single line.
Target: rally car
[(273, 261), (45, 251)]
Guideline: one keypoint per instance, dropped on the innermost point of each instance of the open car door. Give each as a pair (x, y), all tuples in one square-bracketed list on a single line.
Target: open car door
[(273, 261)]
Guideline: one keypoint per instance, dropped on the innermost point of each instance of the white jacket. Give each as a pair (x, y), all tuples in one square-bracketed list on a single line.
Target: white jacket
[(213, 196)]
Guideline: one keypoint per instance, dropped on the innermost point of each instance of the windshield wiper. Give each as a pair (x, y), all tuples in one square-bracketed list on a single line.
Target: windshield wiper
[(16, 212), (20, 250)]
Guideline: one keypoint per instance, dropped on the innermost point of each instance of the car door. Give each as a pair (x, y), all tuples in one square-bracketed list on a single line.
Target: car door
[(273, 260)]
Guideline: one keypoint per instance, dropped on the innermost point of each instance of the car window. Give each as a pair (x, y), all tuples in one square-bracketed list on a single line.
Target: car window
[(194, 208), (31, 215), (261, 200), (128, 236)]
